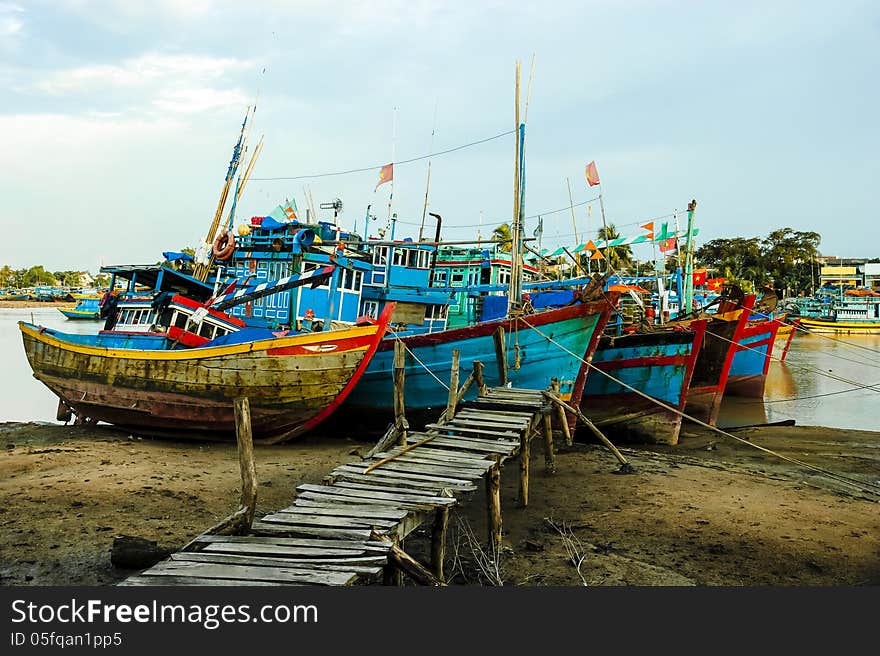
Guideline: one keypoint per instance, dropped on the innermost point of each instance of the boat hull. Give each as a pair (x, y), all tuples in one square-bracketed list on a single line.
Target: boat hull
[(841, 327), (751, 362), (660, 365), (292, 383), (576, 327), (714, 361), (78, 314)]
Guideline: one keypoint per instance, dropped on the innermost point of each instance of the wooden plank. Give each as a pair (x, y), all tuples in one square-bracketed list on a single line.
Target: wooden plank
[(443, 459), (432, 470), (467, 459), (368, 545), (464, 430), (374, 496), (303, 502), (282, 517), (436, 485), (365, 511), (293, 563), (367, 563), (140, 580), (462, 439), (490, 424), (270, 528), (250, 573), (336, 499), (258, 549), (511, 414), (373, 485), (505, 447)]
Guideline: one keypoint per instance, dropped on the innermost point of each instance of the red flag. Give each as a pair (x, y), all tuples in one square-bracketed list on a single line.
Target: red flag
[(715, 284), (592, 174), (386, 173), (700, 277), (668, 245)]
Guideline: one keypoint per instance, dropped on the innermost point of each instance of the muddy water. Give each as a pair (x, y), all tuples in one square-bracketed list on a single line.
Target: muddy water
[(22, 397), (805, 388), (817, 385)]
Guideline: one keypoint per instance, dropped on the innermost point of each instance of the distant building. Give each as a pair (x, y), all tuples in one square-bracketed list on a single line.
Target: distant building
[(872, 276), (85, 279)]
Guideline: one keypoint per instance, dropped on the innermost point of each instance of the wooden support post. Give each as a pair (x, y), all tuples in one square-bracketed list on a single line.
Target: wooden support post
[(524, 455), (493, 502), (625, 466), (501, 355), (399, 377), (240, 522), (438, 541), (482, 388), (391, 574), (555, 386), (453, 385), (549, 455)]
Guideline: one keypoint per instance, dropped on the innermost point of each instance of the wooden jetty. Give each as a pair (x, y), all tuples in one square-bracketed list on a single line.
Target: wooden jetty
[(349, 529)]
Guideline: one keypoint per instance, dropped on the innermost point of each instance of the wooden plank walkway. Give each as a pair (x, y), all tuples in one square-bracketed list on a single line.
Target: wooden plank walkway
[(346, 530)]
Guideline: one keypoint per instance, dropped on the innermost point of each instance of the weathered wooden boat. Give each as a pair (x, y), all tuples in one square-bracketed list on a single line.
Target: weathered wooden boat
[(751, 361), (723, 332), (86, 308), (848, 312), (659, 364), (293, 381), (532, 359)]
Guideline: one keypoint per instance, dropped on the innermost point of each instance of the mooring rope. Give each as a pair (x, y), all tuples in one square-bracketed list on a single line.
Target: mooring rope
[(863, 486)]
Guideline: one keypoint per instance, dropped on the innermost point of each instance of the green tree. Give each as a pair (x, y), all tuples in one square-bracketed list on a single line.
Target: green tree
[(7, 276), (37, 275), (787, 256), (737, 259), (102, 280), (503, 232), (618, 257)]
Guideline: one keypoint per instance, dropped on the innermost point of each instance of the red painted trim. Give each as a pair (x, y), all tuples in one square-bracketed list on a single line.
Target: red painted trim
[(343, 345), (510, 325), (177, 299), (648, 361), (607, 304), (699, 329), (747, 305), (381, 328), (796, 325)]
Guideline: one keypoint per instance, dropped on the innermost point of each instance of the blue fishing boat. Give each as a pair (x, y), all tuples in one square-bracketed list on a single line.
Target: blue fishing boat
[(659, 365), (86, 308)]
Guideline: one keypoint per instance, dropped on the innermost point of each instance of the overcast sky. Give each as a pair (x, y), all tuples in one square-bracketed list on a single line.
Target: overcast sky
[(118, 118)]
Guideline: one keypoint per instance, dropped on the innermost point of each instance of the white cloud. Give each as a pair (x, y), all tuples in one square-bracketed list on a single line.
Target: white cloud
[(146, 70), (194, 100), (11, 21)]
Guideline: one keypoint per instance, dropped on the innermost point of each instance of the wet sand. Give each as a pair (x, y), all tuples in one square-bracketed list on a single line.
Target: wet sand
[(707, 512)]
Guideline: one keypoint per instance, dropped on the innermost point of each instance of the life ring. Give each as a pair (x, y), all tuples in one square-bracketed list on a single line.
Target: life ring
[(224, 246)]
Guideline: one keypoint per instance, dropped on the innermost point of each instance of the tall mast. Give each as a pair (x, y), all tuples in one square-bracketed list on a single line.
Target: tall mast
[(514, 294), (689, 260)]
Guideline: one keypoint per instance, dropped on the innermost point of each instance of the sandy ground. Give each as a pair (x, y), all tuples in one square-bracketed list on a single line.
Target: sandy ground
[(706, 512), (35, 304)]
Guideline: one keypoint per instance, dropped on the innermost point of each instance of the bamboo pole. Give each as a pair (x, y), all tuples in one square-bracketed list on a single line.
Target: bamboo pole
[(482, 389), (580, 415), (399, 379), (501, 354), (493, 507), (452, 401), (438, 541), (549, 455), (555, 387)]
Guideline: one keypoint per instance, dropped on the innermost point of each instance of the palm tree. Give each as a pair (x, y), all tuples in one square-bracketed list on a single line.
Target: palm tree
[(502, 232), (618, 257)]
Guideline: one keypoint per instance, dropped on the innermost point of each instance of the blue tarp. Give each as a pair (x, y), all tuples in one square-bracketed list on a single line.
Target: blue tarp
[(271, 224), (543, 300), (494, 307), (173, 256)]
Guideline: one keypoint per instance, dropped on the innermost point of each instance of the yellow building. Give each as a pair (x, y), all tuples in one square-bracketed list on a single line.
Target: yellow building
[(839, 275)]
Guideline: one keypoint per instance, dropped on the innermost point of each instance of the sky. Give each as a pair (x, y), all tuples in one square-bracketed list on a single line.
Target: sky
[(118, 118)]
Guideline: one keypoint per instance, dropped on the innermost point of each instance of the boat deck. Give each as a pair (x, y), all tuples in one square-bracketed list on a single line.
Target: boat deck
[(345, 530)]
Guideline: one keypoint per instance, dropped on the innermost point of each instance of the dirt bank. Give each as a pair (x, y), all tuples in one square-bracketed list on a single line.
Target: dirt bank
[(707, 512), (35, 304)]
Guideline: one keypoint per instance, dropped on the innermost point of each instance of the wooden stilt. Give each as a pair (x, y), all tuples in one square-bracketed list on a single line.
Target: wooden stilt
[(399, 377), (524, 455), (555, 386), (501, 354), (549, 455), (453, 385), (493, 501), (482, 389), (391, 574), (438, 541)]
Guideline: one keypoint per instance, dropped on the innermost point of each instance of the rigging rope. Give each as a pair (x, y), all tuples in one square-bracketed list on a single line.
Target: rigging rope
[(863, 486), (424, 366)]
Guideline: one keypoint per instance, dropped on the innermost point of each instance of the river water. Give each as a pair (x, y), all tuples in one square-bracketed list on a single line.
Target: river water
[(814, 386)]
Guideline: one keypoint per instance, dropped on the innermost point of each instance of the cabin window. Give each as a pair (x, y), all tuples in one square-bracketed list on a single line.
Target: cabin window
[(206, 330), (503, 277), (180, 319), (399, 257), (380, 255), (371, 309), (440, 277), (436, 312), (473, 279), (458, 280), (424, 259)]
